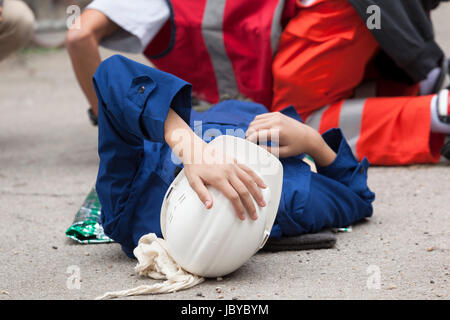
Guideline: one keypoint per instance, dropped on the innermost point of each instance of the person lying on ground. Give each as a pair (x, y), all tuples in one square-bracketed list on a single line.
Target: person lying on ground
[(141, 114), (320, 62)]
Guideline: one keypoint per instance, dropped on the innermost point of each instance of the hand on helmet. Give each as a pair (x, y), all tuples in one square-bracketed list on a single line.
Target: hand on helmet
[(203, 166), (236, 181)]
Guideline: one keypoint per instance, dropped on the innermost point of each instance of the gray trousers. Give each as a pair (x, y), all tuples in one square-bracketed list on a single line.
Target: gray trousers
[(16, 26)]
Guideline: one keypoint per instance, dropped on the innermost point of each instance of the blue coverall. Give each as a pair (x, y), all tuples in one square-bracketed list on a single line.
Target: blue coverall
[(136, 167)]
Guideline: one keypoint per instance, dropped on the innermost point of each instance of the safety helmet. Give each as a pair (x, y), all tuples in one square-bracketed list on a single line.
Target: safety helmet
[(215, 242)]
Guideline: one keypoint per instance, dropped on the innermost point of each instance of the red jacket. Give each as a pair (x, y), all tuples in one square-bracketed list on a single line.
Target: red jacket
[(222, 47)]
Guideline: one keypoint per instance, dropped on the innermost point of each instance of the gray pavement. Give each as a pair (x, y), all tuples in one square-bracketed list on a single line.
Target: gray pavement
[(48, 164)]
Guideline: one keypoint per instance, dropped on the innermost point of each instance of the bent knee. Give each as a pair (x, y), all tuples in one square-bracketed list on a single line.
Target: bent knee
[(76, 38), (94, 26), (18, 19)]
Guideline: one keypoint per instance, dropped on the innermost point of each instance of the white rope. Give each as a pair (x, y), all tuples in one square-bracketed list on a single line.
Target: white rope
[(155, 262)]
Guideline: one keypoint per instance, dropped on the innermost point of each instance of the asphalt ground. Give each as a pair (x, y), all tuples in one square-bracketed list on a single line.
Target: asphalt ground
[(49, 162)]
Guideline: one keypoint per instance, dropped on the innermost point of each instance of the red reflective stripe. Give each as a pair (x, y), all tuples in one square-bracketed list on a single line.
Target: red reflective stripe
[(330, 117), (396, 131)]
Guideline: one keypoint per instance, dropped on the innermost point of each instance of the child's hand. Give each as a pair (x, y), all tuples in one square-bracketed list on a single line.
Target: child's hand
[(293, 136), (236, 181)]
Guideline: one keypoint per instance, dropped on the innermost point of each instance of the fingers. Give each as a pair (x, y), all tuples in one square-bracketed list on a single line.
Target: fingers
[(260, 125), (280, 152), (257, 135), (263, 135), (267, 115), (252, 187), (241, 187), (260, 121), (264, 127), (253, 175), (237, 182), (245, 197), (201, 190), (231, 194), (267, 119)]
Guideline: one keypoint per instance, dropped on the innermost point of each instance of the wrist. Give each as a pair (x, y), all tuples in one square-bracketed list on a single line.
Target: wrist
[(314, 143), (320, 151), (184, 143), (192, 149)]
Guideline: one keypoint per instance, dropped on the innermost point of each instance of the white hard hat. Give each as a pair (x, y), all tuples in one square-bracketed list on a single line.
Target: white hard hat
[(215, 242)]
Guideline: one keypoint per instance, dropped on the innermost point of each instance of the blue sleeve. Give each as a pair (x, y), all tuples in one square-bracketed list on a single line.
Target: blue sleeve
[(133, 103), (345, 169), (138, 97), (336, 196), (339, 195)]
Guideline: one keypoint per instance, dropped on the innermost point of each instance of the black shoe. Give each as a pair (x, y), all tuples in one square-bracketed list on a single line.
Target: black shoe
[(92, 117)]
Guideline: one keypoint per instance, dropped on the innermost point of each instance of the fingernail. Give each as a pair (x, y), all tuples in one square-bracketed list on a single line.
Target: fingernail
[(262, 203), (208, 204)]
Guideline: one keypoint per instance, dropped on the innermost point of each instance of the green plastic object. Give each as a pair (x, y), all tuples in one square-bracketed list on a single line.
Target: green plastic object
[(86, 227)]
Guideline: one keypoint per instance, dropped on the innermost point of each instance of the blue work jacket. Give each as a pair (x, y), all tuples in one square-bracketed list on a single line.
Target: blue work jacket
[(137, 167)]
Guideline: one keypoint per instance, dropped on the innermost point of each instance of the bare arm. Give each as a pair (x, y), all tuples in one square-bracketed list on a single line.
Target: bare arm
[(236, 181), (320, 151)]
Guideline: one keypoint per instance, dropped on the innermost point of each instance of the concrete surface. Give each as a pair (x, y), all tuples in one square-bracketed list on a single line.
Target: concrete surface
[(48, 163)]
